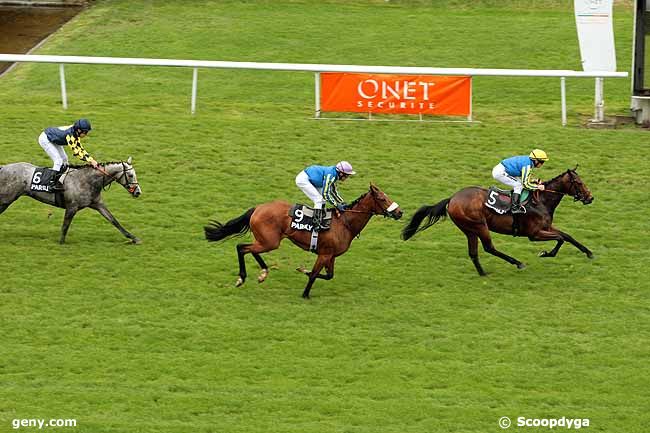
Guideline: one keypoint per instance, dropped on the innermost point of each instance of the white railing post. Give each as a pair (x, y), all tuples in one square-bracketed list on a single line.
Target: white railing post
[(195, 78), (563, 96), (317, 94), (599, 102), (64, 94)]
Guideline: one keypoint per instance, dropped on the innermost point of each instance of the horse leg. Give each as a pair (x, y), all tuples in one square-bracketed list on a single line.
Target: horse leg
[(320, 262), (242, 263), (560, 237), (103, 210), (265, 269), (577, 244), (488, 246), (554, 251), (329, 267), (261, 245), (542, 236), (472, 247), (67, 219)]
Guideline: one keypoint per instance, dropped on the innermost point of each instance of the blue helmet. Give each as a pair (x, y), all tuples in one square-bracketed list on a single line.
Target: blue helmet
[(82, 125)]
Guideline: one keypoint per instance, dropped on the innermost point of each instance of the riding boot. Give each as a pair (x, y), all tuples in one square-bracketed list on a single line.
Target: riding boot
[(516, 206), (54, 181), (317, 219)]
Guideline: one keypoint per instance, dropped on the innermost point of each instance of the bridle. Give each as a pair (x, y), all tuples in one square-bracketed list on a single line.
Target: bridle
[(386, 212), (129, 186), (573, 190)]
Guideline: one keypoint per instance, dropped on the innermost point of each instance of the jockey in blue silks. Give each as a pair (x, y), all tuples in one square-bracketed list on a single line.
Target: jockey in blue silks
[(516, 171), (54, 139), (318, 182)]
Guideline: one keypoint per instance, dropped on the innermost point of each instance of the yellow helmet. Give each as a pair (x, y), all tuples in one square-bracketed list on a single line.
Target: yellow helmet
[(539, 155)]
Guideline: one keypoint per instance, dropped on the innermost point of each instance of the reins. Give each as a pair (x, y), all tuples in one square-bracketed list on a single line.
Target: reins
[(356, 211), (554, 191), (132, 186)]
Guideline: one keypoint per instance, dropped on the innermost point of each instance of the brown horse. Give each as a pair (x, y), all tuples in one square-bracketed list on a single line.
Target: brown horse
[(467, 210), (270, 223)]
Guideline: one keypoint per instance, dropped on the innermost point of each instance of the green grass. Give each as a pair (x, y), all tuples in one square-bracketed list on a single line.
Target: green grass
[(406, 337)]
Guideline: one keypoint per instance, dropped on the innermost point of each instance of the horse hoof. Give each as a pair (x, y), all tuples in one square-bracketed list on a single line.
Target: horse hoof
[(591, 256), (136, 241), (305, 296), (302, 270), (239, 282), (543, 253), (521, 266), (262, 276)]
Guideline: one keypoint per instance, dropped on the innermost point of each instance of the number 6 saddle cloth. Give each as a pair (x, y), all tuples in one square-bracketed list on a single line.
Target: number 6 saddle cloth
[(500, 200), (301, 218)]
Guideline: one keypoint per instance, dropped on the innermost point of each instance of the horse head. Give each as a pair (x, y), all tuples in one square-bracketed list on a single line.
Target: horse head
[(571, 184), (123, 173), (383, 205)]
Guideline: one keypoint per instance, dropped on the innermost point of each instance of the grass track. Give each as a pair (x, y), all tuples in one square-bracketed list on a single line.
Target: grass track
[(406, 338)]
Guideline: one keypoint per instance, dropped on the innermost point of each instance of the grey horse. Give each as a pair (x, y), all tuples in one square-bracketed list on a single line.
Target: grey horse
[(82, 188)]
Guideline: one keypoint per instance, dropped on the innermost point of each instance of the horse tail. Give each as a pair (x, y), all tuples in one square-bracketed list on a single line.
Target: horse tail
[(433, 213), (216, 231)]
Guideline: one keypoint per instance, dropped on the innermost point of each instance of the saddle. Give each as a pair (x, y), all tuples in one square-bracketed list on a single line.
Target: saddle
[(301, 218), (500, 200)]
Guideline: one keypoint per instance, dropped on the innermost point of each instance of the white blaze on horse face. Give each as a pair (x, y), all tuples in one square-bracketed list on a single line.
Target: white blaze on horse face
[(392, 207)]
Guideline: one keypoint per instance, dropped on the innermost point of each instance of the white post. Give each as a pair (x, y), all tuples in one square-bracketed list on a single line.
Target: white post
[(599, 101), (317, 94), (64, 94), (563, 93), (195, 78)]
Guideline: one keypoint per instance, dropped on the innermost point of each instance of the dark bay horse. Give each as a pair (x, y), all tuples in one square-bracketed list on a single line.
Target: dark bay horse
[(467, 210), (270, 223), (83, 186)]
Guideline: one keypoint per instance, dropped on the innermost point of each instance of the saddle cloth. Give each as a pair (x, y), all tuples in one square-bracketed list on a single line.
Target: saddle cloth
[(499, 200), (301, 218), (41, 179)]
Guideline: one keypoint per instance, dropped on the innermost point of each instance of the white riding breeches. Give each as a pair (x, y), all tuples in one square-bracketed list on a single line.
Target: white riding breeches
[(56, 153), (499, 173), (302, 181)]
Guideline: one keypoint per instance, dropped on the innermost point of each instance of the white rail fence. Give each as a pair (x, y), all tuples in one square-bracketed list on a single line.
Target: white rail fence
[(318, 68)]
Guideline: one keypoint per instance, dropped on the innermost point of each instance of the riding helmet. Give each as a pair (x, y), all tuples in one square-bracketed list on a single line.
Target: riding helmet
[(539, 155), (83, 125), (345, 168)]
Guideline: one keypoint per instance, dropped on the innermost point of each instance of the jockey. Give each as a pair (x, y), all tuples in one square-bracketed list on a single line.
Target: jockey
[(319, 184), (53, 139), (516, 171)]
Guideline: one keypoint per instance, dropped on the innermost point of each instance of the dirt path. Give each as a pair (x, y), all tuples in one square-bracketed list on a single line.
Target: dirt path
[(24, 27)]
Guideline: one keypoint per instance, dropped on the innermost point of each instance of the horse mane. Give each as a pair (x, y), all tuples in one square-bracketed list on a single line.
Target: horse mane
[(557, 177), (358, 199), (103, 164)]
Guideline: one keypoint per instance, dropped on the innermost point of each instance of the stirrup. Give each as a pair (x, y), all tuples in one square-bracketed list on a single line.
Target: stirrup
[(317, 219), (518, 209)]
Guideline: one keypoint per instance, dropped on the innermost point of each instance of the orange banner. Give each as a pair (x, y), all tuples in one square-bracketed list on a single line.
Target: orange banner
[(396, 94)]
